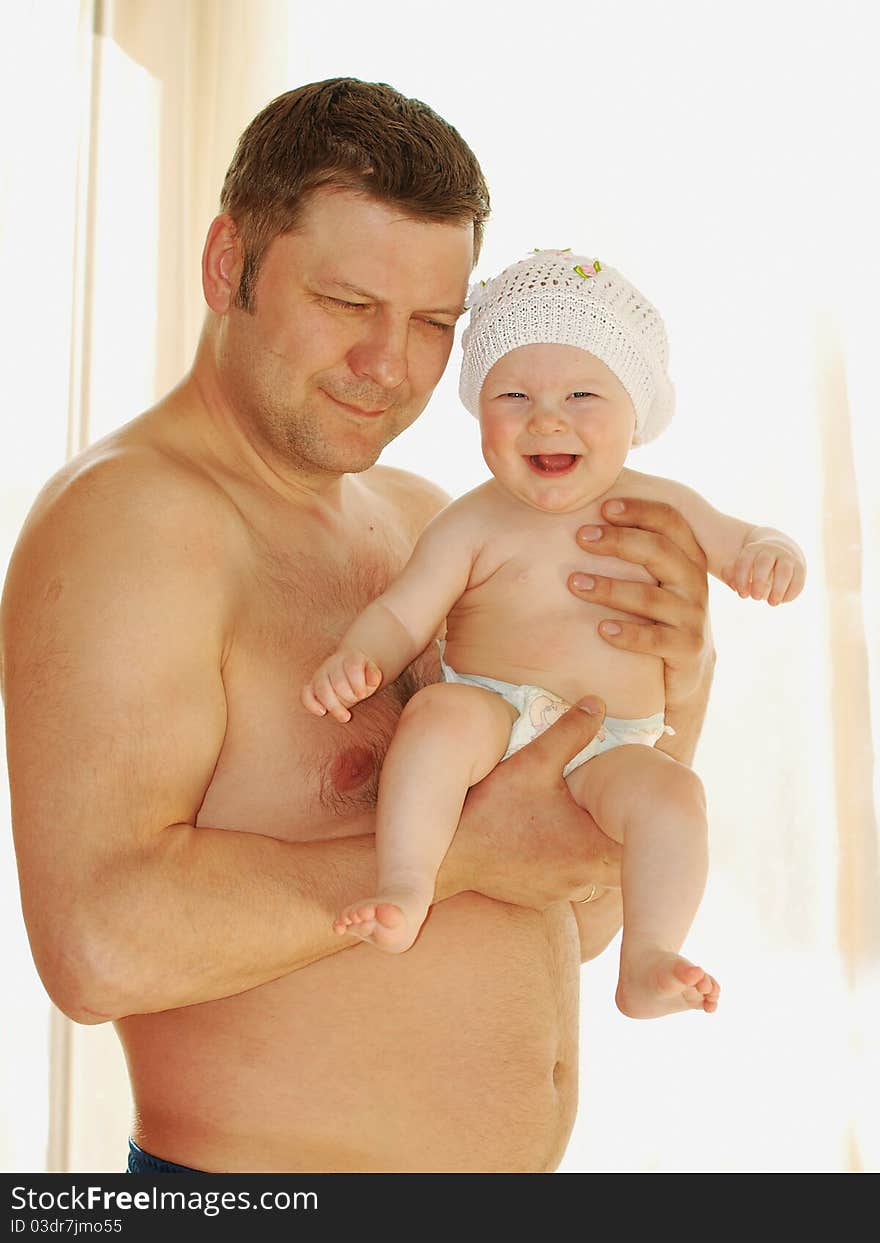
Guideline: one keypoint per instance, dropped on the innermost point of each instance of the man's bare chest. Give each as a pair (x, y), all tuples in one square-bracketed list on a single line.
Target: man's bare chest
[(282, 771)]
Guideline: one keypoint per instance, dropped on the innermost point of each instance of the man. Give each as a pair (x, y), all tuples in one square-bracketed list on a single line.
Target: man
[(185, 830)]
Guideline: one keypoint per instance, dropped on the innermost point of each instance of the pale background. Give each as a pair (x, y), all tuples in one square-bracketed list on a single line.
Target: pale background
[(724, 157)]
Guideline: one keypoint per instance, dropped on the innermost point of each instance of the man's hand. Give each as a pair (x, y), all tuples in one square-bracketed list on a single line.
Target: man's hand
[(676, 625), (522, 838)]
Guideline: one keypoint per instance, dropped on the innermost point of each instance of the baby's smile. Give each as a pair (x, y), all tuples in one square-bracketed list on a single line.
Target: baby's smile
[(553, 463)]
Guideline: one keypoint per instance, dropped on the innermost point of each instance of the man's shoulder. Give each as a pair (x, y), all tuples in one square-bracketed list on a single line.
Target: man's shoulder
[(130, 484), (417, 499), (123, 510)]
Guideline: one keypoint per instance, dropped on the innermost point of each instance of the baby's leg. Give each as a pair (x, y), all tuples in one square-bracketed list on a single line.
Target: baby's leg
[(448, 738), (656, 806)]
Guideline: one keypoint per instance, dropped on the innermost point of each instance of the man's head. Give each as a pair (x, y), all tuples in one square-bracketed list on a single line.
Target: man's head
[(337, 270), (361, 136)]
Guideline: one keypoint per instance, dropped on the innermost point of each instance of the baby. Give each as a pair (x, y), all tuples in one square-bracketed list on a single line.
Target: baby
[(565, 365)]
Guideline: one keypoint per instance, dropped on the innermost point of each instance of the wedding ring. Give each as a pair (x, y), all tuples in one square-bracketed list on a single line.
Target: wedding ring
[(591, 896)]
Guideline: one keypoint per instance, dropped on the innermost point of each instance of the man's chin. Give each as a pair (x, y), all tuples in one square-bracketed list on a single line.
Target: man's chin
[(358, 467), (352, 448), (350, 460)]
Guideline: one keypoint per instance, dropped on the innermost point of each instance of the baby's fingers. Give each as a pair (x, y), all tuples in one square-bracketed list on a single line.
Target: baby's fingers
[(325, 693), (796, 586), (358, 678), (741, 575), (311, 701), (762, 575), (782, 575)]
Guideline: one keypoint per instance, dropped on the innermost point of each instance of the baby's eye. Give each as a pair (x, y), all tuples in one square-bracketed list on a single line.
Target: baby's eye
[(583, 394), (514, 394)]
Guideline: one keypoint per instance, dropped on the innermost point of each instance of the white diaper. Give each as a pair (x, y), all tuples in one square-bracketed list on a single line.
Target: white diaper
[(539, 708)]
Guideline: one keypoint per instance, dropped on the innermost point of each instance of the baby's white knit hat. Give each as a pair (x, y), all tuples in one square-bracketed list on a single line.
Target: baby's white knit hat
[(556, 297)]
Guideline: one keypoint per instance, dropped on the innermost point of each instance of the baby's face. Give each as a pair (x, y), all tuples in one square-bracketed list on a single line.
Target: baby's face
[(557, 425)]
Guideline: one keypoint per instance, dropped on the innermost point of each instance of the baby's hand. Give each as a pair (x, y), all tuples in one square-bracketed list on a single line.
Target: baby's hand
[(767, 570), (345, 678)]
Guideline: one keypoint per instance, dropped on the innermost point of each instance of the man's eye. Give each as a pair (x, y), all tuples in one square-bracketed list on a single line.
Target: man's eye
[(346, 306), (435, 323)]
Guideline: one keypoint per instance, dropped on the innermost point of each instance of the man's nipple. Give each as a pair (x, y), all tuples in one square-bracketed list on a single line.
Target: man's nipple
[(353, 767)]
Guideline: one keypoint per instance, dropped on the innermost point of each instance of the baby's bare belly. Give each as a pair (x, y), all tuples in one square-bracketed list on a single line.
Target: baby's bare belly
[(460, 1055), (568, 658)]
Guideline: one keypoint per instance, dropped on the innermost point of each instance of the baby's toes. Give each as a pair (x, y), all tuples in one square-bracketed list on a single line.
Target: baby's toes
[(710, 999), (363, 930), (693, 999), (687, 973)]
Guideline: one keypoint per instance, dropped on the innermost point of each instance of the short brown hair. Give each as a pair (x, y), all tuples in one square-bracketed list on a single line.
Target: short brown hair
[(358, 135)]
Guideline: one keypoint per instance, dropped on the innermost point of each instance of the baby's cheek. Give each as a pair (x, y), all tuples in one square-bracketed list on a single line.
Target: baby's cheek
[(498, 431)]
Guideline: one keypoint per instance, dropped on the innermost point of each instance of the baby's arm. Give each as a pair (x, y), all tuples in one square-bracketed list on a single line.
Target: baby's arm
[(400, 623), (756, 562)]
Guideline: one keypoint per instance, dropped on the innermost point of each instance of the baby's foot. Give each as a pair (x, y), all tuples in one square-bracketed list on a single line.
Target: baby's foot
[(654, 982), (391, 922)]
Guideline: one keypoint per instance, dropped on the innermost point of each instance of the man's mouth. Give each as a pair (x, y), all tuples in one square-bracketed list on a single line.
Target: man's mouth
[(367, 414), (553, 463)]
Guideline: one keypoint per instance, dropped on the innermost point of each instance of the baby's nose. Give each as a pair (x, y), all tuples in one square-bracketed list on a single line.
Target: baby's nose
[(546, 420)]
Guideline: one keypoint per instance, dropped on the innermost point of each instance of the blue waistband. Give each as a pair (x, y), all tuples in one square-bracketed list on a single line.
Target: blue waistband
[(140, 1162)]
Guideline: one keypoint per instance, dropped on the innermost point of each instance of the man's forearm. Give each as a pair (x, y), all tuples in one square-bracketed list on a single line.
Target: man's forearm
[(203, 913), (208, 913)]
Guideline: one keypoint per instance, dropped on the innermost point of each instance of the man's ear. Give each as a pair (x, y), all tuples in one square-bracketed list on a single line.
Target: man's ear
[(221, 264)]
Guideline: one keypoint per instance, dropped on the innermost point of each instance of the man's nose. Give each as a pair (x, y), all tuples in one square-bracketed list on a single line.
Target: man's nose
[(381, 355)]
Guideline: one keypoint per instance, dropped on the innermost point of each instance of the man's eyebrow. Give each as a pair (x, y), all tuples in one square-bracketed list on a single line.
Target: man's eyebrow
[(455, 312)]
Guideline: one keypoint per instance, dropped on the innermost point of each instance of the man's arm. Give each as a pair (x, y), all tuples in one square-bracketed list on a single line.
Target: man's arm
[(115, 622)]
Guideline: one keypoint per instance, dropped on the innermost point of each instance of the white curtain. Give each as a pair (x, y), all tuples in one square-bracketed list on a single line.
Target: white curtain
[(120, 117), (721, 156)]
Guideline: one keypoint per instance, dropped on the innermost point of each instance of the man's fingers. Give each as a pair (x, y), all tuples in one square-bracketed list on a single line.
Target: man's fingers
[(655, 516), (661, 557), (639, 599), (565, 737), (671, 643)]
